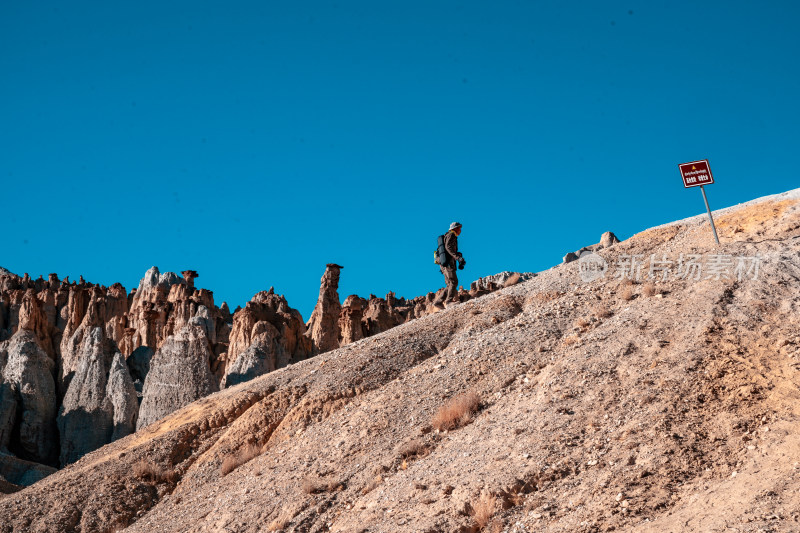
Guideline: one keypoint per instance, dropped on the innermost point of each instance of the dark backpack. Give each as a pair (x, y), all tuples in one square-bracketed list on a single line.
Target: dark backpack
[(440, 256)]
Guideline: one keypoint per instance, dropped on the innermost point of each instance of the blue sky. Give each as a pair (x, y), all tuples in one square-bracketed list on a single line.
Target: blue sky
[(256, 141)]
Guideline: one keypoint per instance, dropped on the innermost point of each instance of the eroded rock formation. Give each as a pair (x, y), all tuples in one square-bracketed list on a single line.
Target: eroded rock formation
[(350, 326), (275, 330), (29, 387), (56, 331), (323, 324), (179, 374), (100, 405), (95, 362)]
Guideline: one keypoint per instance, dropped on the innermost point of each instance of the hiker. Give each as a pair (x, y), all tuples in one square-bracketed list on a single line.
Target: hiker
[(448, 257)]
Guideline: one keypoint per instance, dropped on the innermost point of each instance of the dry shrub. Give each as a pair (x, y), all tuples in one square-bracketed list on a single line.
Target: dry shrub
[(457, 412), (315, 485), (483, 510), (649, 289), (601, 311), (228, 465), (413, 448), (626, 293), (231, 462), (283, 520), (311, 485), (146, 470), (512, 280), (516, 497)]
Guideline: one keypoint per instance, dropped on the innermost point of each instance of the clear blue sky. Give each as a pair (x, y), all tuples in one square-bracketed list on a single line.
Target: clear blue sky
[(256, 141)]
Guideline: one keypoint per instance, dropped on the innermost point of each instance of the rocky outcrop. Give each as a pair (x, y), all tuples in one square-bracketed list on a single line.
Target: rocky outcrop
[(100, 405), (105, 310), (32, 317), (606, 240), (381, 315), (28, 384), (60, 317), (323, 324), (350, 320), (277, 330), (258, 359), (150, 308), (147, 353), (179, 374), (498, 281)]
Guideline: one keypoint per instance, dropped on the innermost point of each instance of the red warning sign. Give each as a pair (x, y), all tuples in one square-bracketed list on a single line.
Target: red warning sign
[(696, 173)]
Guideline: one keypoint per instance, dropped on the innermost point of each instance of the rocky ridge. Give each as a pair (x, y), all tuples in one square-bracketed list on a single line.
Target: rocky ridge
[(82, 365), (668, 404)]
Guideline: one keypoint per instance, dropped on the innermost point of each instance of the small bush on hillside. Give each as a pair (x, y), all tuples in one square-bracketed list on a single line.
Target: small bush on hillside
[(649, 289), (627, 293), (413, 448), (314, 485), (146, 470), (231, 462), (483, 509), (457, 412)]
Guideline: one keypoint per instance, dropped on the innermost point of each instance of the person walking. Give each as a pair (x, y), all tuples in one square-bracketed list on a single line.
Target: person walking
[(453, 257)]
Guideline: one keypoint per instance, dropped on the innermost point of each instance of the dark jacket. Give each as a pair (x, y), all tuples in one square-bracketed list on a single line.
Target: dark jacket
[(451, 247)]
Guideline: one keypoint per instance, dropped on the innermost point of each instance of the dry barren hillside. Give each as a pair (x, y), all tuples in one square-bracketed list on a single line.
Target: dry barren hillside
[(610, 404)]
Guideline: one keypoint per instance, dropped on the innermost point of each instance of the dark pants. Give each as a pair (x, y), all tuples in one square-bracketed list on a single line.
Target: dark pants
[(451, 280)]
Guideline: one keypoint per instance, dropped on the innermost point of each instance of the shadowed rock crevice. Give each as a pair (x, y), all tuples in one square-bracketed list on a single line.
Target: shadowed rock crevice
[(101, 404)]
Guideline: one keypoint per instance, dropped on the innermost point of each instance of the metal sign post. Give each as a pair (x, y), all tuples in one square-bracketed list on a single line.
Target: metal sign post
[(713, 227), (697, 174)]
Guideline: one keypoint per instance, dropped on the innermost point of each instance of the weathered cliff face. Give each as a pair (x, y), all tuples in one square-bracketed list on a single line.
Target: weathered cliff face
[(323, 324), (162, 305), (276, 331), (100, 405), (105, 311), (179, 374), (109, 361), (29, 388), (56, 331), (349, 324)]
